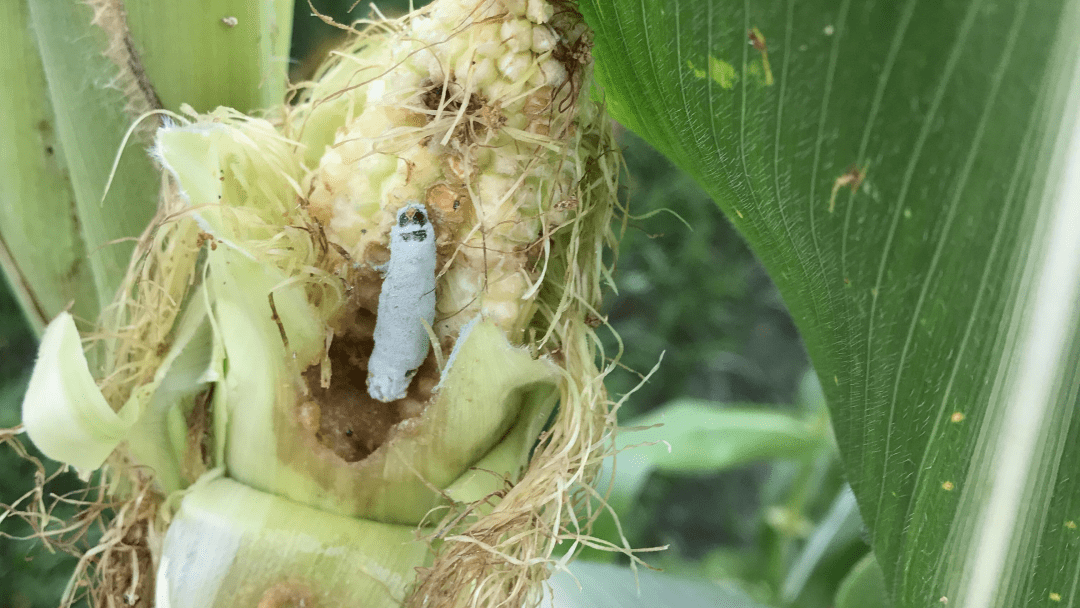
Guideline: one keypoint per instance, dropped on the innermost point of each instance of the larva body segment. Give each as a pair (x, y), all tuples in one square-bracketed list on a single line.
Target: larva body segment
[(406, 303)]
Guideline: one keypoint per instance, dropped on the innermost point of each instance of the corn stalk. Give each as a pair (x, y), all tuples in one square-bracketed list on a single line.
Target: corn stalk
[(43, 245)]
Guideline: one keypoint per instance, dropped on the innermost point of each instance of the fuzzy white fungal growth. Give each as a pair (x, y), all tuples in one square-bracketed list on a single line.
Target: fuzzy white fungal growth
[(406, 302)]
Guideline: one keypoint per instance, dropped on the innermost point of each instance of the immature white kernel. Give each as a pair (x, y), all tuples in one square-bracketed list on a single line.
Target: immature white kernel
[(484, 72), (375, 92), (491, 47), (516, 8), (543, 40), (539, 11), (448, 12), (424, 30), (516, 34), (513, 66), (405, 81), (554, 73), (504, 164), (462, 68), (431, 64)]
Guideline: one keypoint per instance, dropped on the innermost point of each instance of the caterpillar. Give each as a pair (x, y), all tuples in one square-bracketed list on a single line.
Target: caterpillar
[(406, 302)]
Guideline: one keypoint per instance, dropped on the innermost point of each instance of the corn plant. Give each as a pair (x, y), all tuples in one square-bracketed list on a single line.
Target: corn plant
[(332, 342)]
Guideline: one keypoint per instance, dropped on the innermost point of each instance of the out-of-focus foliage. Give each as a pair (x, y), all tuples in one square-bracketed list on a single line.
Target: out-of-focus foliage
[(690, 288)]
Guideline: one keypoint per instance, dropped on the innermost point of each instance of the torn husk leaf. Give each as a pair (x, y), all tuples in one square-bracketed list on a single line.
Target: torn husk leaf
[(244, 341), (63, 411)]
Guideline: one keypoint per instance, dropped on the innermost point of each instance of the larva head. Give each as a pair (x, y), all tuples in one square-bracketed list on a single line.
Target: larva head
[(412, 225)]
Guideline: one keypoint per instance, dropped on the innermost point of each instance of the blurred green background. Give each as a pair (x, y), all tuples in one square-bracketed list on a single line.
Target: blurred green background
[(688, 287)]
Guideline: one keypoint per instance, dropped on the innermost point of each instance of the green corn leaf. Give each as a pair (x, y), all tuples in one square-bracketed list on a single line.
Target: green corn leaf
[(41, 248), (839, 528), (213, 53), (907, 171), (91, 121), (863, 587), (691, 436)]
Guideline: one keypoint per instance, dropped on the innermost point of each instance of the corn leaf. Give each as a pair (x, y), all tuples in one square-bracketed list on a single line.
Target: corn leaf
[(691, 436), (840, 526), (908, 172), (41, 247), (213, 53), (91, 121), (863, 587), (587, 585)]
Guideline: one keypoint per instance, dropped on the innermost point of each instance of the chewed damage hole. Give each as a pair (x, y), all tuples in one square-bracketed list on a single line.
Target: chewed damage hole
[(437, 95), (350, 422), (478, 118)]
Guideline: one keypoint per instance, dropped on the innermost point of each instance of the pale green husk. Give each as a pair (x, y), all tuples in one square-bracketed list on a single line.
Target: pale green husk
[(68, 418), (231, 546)]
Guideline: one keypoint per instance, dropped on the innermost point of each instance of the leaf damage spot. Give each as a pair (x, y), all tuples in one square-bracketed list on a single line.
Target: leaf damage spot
[(757, 40), (1055, 597), (720, 71), (852, 178), (948, 486), (957, 417), (1070, 524)]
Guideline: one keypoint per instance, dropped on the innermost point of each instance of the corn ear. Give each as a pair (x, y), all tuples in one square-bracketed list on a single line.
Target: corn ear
[(213, 53), (245, 332), (271, 334), (91, 123)]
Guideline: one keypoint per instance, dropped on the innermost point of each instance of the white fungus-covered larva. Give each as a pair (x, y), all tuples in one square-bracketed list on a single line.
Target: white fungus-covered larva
[(406, 303)]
